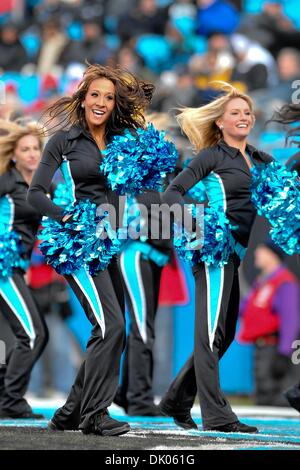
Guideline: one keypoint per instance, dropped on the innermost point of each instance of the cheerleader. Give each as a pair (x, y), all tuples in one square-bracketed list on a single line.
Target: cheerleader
[(290, 114), (20, 152), (106, 102), (219, 132)]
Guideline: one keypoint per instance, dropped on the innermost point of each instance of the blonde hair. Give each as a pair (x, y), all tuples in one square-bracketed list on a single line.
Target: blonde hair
[(199, 124), (10, 134)]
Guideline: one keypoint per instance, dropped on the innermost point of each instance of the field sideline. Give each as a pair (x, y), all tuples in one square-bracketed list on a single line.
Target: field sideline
[(279, 430)]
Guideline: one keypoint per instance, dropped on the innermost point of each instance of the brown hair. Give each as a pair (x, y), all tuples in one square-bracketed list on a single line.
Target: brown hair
[(132, 98), (289, 114), (10, 133)]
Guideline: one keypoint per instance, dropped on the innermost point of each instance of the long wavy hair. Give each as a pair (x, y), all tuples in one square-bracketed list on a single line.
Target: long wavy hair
[(289, 114), (199, 124), (132, 98), (10, 134)]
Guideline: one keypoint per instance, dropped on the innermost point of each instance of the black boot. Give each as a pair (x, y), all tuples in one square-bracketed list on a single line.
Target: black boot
[(55, 425), (182, 418)]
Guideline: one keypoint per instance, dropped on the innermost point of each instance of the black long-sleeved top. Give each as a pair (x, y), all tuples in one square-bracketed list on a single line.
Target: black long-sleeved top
[(293, 163), (82, 158), (226, 177), (15, 212)]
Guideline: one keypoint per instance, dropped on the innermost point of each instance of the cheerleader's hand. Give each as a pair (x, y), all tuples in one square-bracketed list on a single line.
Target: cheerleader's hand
[(67, 218)]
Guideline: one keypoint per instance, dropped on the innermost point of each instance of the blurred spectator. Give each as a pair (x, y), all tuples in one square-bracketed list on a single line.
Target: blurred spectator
[(48, 92), (265, 26), (216, 64), (255, 65), (271, 321), (92, 47), (73, 75), (54, 42), (216, 16), (146, 18), (87, 10), (239, 4), (68, 11), (10, 107), (220, 44), (182, 15), (182, 93), (182, 9), (162, 53), (128, 58), (48, 9), (117, 8), (284, 38), (12, 53), (288, 62)]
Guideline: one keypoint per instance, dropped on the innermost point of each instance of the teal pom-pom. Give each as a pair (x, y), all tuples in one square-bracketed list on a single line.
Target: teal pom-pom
[(198, 191), (10, 253), (62, 196), (218, 242), (136, 161), (81, 242), (275, 193)]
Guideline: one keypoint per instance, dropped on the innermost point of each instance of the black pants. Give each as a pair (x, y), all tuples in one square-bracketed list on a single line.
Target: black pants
[(217, 306), (30, 331), (96, 383), (141, 279)]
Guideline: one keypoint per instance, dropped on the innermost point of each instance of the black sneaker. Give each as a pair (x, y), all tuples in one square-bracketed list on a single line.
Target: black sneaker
[(54, 425), (104, 425), (23, 415), (182, 418), (150, 410), (237, 426)]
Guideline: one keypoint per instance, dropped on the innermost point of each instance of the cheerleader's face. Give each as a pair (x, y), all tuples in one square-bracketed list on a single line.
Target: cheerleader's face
[(237, 120), (265, 259), (99, 102), (27, 153)]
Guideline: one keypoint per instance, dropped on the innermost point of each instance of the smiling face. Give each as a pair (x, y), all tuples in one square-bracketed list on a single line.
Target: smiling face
[(265, 259), (99, 102), (27, 153), (237, 120)]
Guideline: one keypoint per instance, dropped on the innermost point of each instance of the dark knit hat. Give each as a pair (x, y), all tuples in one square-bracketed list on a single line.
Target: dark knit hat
[(273, 247)]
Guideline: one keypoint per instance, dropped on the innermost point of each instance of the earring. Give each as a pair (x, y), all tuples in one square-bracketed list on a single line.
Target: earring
[(82, 105), (221, 126)]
